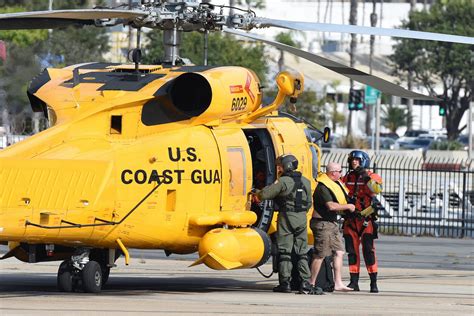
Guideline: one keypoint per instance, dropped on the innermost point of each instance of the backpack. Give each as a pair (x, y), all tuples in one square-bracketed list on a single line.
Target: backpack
[(325, 279)]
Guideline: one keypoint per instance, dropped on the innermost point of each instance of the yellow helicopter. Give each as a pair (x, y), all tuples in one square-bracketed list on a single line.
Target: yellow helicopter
[(156, 156)]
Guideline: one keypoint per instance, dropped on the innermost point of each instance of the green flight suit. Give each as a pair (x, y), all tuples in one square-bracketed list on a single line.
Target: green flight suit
[(292, 225)]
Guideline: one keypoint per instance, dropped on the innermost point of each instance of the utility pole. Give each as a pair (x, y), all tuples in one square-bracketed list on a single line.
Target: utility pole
[(130, 30), (368, 110), (410, 82), (470, 112), (352, 21)]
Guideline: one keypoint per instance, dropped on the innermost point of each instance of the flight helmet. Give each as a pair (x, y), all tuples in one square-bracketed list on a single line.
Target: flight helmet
[(362, 156), (288, 162)]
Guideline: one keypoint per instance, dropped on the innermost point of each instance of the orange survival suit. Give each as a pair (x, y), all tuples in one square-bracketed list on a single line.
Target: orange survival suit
[(363, 185)]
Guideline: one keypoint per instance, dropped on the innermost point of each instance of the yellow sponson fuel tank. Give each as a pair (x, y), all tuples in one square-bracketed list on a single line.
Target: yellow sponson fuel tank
[(226, 249)]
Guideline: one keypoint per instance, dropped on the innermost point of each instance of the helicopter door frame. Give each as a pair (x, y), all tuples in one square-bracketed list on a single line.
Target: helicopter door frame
[(262, 151)]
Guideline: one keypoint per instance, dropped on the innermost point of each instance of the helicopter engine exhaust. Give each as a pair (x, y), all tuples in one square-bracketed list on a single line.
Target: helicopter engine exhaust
[(227, 249), (191, 93), (217, 93)]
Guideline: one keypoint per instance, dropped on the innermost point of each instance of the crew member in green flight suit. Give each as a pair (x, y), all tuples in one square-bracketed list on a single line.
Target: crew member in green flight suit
[(292, 194)]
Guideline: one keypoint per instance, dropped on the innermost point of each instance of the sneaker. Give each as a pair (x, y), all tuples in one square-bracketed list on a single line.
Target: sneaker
[(305, 288), (316, 290)]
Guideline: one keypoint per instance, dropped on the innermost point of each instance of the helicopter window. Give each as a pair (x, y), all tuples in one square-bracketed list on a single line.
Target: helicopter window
[(116, 124), (311, 136), (238, 171)]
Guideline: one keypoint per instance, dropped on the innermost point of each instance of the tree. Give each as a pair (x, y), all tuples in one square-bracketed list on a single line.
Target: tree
[(287, 39), (223, 51), (74, 45), (30, 50), (308, 107), (394, 117), (451, 65), (336, 118), (256, 4)]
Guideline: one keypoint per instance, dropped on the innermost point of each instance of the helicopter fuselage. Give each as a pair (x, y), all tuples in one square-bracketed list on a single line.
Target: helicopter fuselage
[(155, 165)]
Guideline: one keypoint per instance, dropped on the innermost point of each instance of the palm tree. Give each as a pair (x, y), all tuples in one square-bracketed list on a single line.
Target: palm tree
[(287, 39), (394, 117)]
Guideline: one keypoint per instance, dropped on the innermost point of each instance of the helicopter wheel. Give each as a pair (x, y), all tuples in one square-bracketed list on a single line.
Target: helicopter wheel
[(65, 280), (92, 280)]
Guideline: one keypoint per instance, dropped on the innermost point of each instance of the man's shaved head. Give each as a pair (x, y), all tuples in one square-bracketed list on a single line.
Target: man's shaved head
[(333, 166)]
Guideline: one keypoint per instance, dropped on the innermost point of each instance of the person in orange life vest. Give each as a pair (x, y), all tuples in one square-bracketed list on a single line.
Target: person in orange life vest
[(363, 185)]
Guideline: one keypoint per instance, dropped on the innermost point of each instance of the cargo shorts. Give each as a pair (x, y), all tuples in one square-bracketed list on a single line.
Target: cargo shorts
[(327, 238)]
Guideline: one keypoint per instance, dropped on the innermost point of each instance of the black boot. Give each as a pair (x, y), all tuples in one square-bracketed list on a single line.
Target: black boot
[(354, 282), (373, 283), (283, 288)]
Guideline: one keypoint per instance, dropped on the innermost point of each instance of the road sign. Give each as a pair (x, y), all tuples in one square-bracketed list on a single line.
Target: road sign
[(371, 95)]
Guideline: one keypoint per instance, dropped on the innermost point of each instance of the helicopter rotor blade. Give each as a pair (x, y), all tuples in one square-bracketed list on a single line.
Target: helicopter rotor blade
[(352, 73), (342, 28), (62, 18)]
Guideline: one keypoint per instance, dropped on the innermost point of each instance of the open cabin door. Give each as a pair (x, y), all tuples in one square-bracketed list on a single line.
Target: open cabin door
[(264, 173)]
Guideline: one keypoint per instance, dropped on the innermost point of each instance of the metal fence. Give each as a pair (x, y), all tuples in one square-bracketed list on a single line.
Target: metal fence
[(7, 140), (423, 196)]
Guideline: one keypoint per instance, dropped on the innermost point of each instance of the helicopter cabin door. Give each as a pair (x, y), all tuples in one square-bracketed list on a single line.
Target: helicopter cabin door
[(236, 167), (264, 173)]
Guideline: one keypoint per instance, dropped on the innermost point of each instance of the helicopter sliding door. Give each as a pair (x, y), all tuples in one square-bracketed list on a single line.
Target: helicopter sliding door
[(263, 165), (236, 167)]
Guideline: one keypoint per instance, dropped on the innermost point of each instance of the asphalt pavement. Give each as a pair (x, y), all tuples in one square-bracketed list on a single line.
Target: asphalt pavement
[(418, 276)]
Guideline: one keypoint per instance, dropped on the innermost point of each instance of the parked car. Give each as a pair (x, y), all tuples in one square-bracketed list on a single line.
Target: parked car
[(464, 140), (436, 137), (408, 138), (385, 142), (420, 143), (391, 135)]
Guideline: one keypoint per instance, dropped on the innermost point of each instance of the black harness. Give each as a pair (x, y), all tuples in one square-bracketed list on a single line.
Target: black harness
[(297, 191)]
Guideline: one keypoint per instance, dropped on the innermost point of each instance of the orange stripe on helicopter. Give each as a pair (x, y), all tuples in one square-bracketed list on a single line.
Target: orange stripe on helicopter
[(236, 89), (247, 87)]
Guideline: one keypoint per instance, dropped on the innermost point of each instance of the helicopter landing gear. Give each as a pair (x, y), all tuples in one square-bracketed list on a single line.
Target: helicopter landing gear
[(92, 277), (66, 282), (80, 271)]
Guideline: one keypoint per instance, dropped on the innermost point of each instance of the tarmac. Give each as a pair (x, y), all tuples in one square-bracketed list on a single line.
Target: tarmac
[(418, 276)]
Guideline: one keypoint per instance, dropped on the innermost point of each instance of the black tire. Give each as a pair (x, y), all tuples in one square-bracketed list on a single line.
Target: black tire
[(92, 277), (65, 277)]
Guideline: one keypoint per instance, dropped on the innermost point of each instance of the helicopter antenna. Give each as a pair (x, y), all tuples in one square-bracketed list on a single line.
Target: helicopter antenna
[(135, 55), (206, 41), (138, 51)]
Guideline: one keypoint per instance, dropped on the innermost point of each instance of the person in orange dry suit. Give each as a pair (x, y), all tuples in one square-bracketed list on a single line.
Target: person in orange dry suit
[(360, 227)]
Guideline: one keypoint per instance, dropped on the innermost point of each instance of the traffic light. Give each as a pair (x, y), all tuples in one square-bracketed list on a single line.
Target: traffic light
[(352, 94), (356, 100), (442, 109)]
